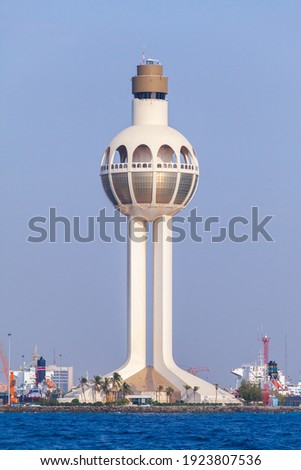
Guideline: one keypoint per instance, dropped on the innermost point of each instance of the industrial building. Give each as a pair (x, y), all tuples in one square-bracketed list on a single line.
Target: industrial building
[(35, 380)]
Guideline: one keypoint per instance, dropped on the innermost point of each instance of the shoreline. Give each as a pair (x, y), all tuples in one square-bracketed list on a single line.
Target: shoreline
[(136, 409)]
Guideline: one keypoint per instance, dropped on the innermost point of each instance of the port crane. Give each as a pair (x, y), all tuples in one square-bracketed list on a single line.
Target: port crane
[(10, 377), (4, 363), (196, 370)]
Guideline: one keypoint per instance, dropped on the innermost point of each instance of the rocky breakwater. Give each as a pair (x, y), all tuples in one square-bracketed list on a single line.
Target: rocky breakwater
[(148, 409)]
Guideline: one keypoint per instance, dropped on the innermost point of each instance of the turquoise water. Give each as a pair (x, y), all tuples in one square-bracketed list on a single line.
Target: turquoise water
[(83, 431)]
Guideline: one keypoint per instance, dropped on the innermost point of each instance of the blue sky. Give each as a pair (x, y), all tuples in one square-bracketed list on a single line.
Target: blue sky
[(234, 92)]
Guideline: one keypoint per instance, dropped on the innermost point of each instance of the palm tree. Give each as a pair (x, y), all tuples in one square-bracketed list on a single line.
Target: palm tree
[(97, 384), (216, 389), (160, 389), (169, 391), (116, 381), (187, 387), (83, 382), (105, 386), (195, 389), (125, 389)]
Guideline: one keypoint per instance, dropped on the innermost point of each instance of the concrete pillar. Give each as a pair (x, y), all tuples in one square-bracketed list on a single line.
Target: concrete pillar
[(162, 293), (136, 298)]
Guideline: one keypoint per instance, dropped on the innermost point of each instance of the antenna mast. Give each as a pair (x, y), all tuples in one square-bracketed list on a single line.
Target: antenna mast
[(266, 386)]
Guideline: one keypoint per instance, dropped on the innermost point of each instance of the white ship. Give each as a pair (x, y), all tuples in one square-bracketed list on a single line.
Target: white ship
[(255, 373)]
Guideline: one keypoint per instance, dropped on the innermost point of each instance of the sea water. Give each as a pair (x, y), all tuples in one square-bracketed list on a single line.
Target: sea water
[(84, 431)]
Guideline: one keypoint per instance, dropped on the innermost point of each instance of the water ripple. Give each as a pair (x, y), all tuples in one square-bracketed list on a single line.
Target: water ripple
[(151, 431)]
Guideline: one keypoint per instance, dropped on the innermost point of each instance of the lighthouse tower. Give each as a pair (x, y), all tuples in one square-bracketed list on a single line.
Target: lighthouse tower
[(149, 172)]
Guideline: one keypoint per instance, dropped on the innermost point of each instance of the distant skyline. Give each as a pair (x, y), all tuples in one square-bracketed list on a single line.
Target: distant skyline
[(234, 91)]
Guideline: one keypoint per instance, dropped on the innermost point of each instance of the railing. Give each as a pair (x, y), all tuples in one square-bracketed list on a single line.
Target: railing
[(144, 165)]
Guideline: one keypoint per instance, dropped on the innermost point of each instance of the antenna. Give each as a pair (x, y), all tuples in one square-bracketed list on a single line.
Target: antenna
[(266, 385), (143, 54)]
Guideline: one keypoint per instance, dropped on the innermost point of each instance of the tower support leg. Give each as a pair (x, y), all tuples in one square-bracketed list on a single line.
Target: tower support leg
[(136, 298), (162, 322), (162, 294)]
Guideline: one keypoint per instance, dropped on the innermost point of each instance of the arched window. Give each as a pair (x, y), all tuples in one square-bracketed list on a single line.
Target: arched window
[(120, 155), (105, 158), (185, 156), (166, 154), (142, 154)]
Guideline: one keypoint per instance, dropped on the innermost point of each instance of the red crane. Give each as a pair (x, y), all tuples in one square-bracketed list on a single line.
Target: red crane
[(266, 386), (10, 377), (4, 363)]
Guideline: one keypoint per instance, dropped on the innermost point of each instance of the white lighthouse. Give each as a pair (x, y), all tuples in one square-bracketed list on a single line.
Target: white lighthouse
[(150, 171)]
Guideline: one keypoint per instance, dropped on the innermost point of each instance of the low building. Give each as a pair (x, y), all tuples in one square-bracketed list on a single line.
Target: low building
[(139, 399), (149, 383), (292, 401)]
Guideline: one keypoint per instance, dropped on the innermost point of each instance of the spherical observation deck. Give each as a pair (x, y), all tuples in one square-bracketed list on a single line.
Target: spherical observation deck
[(149, 171)]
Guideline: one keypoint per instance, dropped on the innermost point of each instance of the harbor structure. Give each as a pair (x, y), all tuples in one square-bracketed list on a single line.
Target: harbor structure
[(266, 374), (266, 385), (38, 380), (41, 370)]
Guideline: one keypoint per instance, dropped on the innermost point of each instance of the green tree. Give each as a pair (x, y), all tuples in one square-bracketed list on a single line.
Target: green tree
[(125, 389), (106, 386), (187, 387), (97, 381), (249, 391), (216, 390), (160, 389), (83, 382), (169, 391), (116, 382), (195, 389)]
